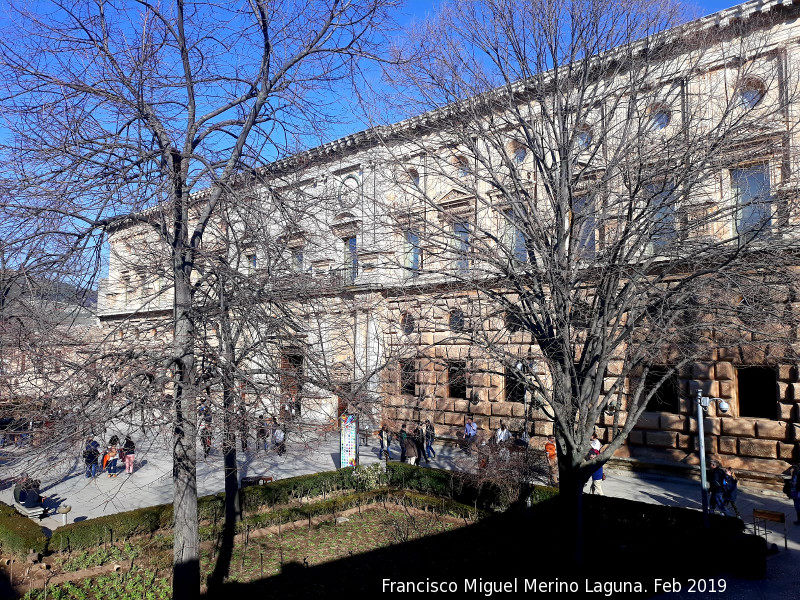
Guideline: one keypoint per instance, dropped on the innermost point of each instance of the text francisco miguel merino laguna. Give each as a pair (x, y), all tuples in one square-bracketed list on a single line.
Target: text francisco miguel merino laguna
[(487, 588)]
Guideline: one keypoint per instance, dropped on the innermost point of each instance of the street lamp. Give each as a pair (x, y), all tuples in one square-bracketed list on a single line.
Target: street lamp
[(702, 408)]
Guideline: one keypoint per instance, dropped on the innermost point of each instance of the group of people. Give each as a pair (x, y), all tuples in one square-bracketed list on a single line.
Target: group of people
[(267, 432), (271, 430), (106, 460), (413, 447), (724, 487)]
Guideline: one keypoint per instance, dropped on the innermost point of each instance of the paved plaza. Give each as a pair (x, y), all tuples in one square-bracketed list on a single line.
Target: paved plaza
[(64, 483)]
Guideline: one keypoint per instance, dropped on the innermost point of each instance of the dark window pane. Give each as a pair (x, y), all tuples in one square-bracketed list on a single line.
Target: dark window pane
[(408, 374), (667, 396), (407, 323), (753, 202), (514, 390), (758, 392), (457, 320), (457, 379)]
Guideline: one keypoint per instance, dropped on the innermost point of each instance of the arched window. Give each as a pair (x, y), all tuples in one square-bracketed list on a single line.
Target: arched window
[(456, 320), (462, 165), (407, 323), (518, 152)]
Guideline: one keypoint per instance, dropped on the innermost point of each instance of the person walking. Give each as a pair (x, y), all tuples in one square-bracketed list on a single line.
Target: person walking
[(128, 450), (402, 437), (411, 451), (279, 439), (597, 479), (716, 480), (261, 433), (112, 454), (730, 490), (430, 436), (792, 489), (91, 454), (205, 438), (552, 459), (385, 437), (419, 441)]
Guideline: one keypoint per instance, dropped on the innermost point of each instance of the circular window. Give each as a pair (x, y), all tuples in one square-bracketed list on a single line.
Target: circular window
[(583, 139), (407, 323), (660, 116), (457, 320), (751, 92)]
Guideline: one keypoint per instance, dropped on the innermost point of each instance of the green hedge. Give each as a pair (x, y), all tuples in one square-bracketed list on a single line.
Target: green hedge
[(19, 533), (455, 498), (443, 506)]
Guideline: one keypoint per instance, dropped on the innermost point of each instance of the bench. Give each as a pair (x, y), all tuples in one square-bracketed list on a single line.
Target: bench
[(760, 519), (35, 512)]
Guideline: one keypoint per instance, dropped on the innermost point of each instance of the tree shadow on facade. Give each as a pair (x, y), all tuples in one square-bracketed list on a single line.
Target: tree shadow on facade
[(626, 542)]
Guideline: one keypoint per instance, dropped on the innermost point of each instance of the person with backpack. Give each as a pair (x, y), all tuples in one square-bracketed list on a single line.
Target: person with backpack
[(402, 437), (90, 455), (127, 454), (730, 489), (716, 480), (430, 436), (111, 457)]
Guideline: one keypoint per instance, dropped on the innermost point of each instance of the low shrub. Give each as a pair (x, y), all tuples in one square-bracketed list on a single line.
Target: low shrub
[(18, 533), (110, 528)]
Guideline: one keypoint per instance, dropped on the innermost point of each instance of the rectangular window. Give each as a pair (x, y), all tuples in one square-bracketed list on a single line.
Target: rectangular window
[(757, 388), (297, 260), (462, 244), (753, 202), (661, 198), (667, 397), (413, 258), (517, 243), (408, 373), (584, 226), (457, 379), (350, 259), (514, 390), (251, 263), (291, 383)]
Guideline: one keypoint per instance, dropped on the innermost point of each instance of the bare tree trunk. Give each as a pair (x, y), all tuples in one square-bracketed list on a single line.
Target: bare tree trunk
[(186, 576), (570, 487), (232, 508)]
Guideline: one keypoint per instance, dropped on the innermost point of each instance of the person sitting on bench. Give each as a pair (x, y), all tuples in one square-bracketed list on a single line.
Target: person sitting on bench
[(26, 492)]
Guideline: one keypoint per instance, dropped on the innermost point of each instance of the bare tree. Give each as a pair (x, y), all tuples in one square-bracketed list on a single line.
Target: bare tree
[(604, 185), (117, 110)]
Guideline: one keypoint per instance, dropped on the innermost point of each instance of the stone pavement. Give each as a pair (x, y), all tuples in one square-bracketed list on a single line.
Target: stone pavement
[(64, 482)]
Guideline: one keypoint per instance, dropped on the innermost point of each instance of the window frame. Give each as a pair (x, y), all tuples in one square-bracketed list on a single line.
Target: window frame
[(453, 366), (765, 207)]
